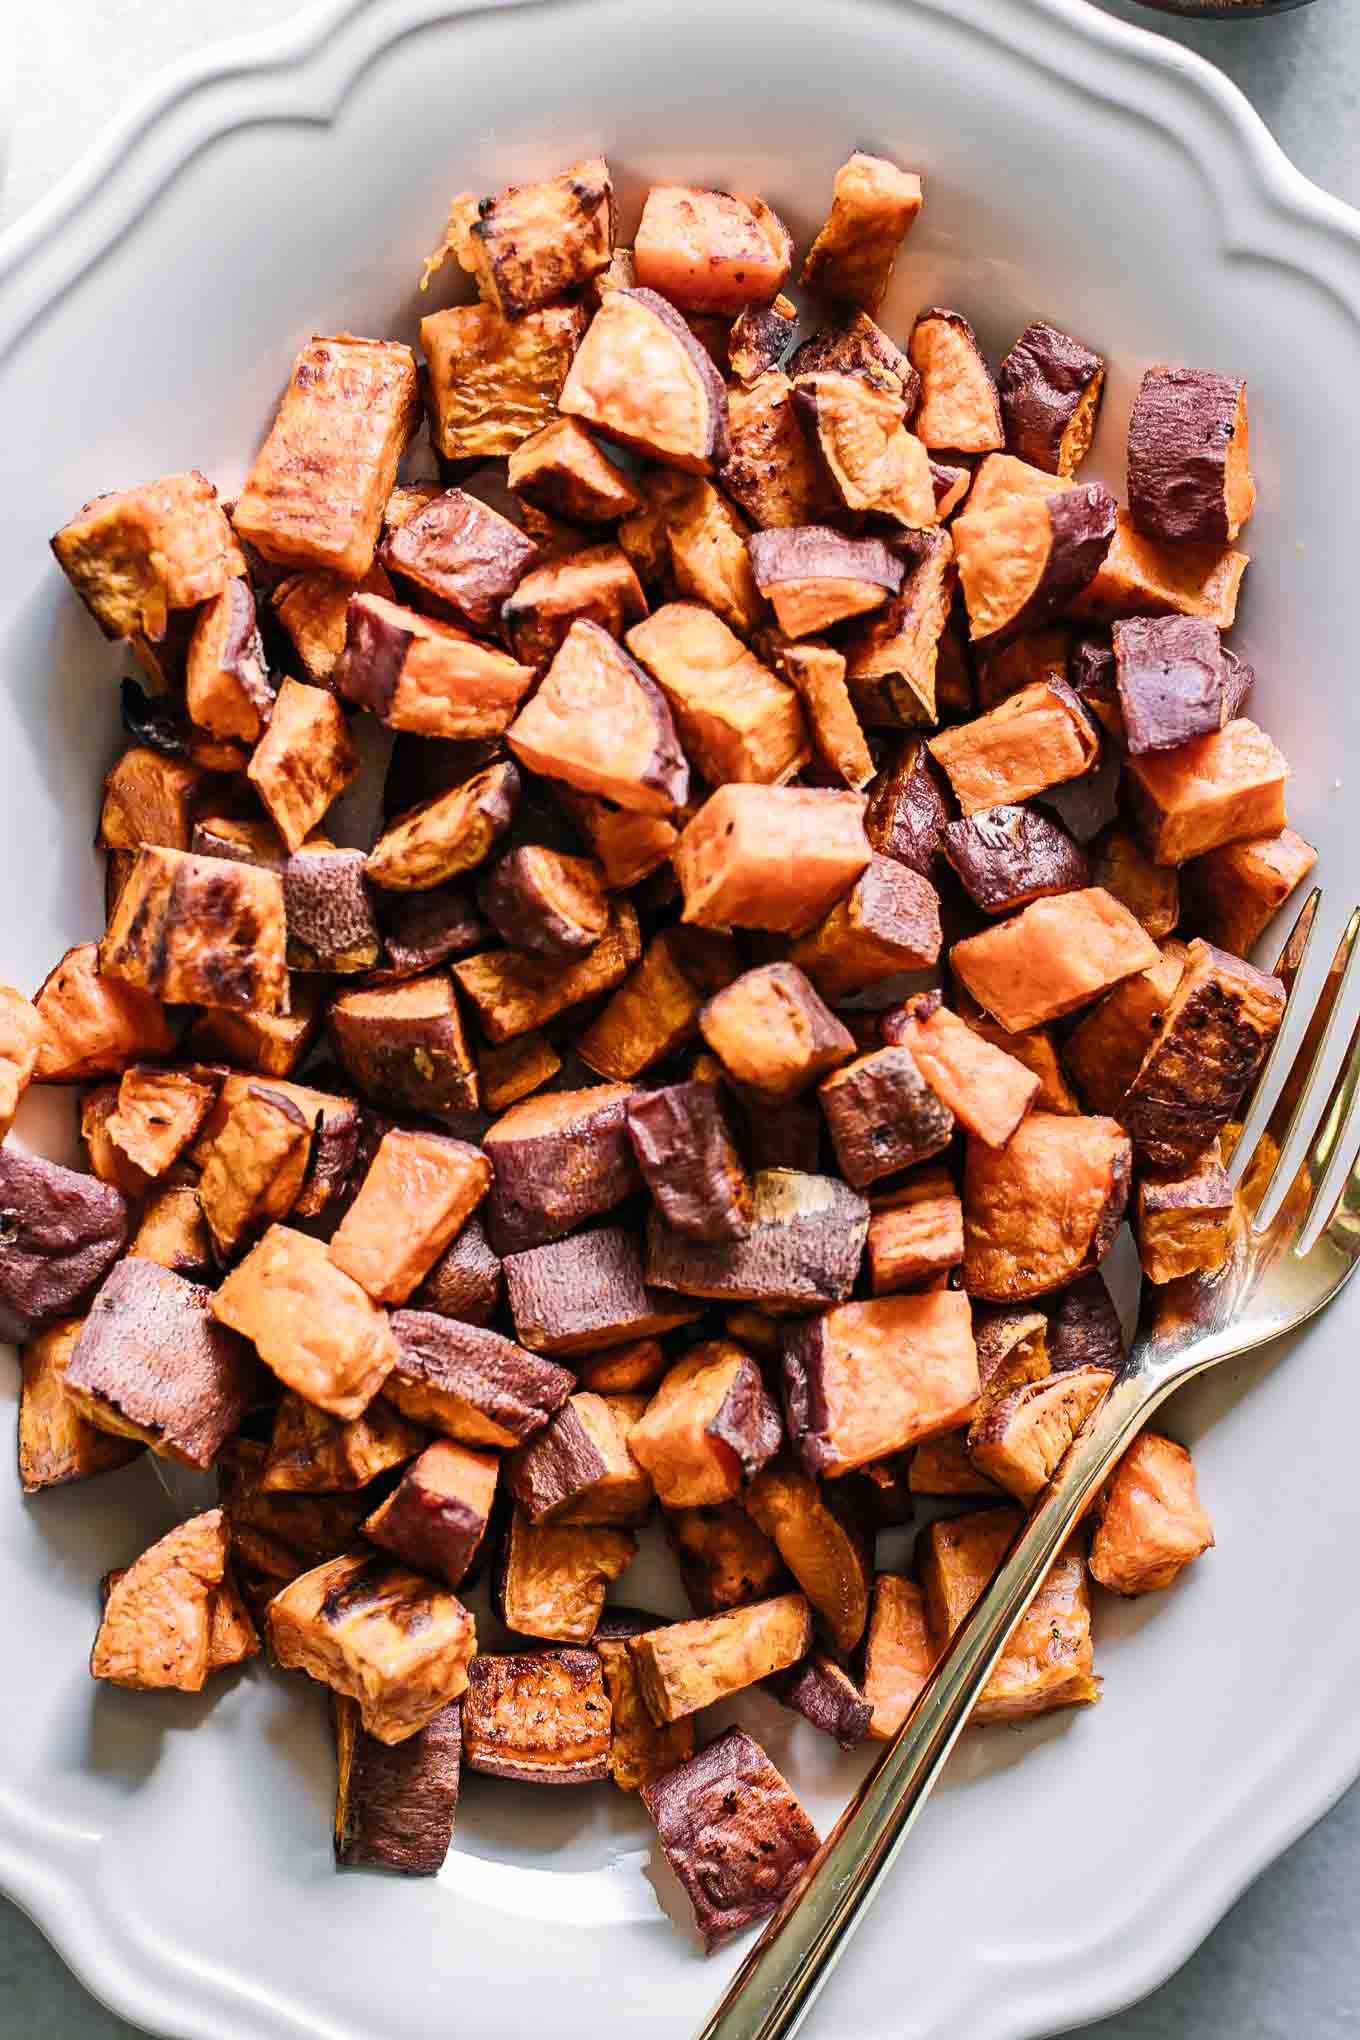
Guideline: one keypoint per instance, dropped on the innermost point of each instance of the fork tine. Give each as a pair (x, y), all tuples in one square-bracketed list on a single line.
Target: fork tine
[(1291, 1107), (1288, 968), (1332, 1130)]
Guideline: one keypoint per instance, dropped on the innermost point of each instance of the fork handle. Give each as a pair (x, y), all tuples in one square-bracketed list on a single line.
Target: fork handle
[(773, 1990)]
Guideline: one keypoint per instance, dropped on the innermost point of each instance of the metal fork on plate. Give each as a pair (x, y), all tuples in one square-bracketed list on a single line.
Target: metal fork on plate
[(1281, 1271)]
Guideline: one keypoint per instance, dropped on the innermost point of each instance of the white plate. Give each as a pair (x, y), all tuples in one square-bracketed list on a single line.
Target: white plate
[(176, 1849)]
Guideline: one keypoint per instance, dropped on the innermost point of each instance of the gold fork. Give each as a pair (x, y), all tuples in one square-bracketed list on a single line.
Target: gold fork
[(1278, 1275)]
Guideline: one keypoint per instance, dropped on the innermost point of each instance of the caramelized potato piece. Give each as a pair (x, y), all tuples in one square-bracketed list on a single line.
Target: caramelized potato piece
[(1084, 1330), (380, 1634), (707, 251), (856, 346), (138, 554), (437, 1516), (942, 1467), (689, 1665), (552, 1580), (254, 1169), (898, 1654), (404, 1046), (630, 846), (227, 686), (92, 1025), (1048, 1661), (1019, 1438), (541, 1717), (1190, 477), (817, 672), (512, 993), (1105, 1050), (875, 464), (158, 1114), (915, 1234), (562, 470), (494, 382), (443, 837), (419, 674), (773, 1033), (882, 1116), (313, 610), (599, 722), (1215, 1034), (558, 1160), (329, 910), (709, 1425), (311, 1324), (707, 541), (814, 577), (198, 931), (656, 1010), (304, 761), (986, 1089), (640, 1751), (463, 554), (533, 243), (1035, 1048), (582, 1294), (909, 807), (735, 719), (22, 1036), (689, 1162), (62, 1234), (1151, 892), (866, 1380), (1035, 739), (1046, 1207), (422, 930), (1025, 557), (893, 658), (640, 377), (395, 1807), (156, 1630), (316, 494), (1037, 655), (873, 209), (773, 857), (1183, 1222), (56, 1443), (625, 1370), (804, 1247), (1008, 856), (1150, 1523), (1139, 577), (596, 586), (1226, 787), (770, 471), (725, 1561), (1171, 677), (1050, 387), (580, 1468), (1052, 958), (1233, 893), (821, 1541), (465, 1282), (959, 410), (469, 1383), (336, 1124), (313, 1453), (889, 922), (759, 338), (149, 798), (419, 1190)]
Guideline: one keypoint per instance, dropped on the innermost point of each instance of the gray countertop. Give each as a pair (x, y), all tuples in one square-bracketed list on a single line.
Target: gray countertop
[(1285, 1963)]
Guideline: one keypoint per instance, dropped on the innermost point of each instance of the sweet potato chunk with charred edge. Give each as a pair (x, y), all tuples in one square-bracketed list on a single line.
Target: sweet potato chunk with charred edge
[(158, 1114), (1182, 1221), (817, 671), (1150, 1524), (558, 1160), (551, 1580), (541, 1717), (91, 1025), (470, 1383), (1050, 387), (640, 377), (869, 1379), (395, 1807), (688, 1665), (1046, 1207), (1023, 559), (772, 1032), (311, 1323), (1047, 1662), (227, 687), (1218, 1026), (512, 993), (856, 346), (597, 586), (419, 674), (873, 208), (737, 721), (465, 1282), (707, 542), (1007, 856), (453, 833), (1105, 1050), (157, 1625), (418, 1192), (826, 1696), (544, 903), (708, 251), (136, 555), (562, 470), (804, 1247), (689, 1161), (536, 242), (822, 1542), (1084, 1330), (876, 466), (255, 1166), (580, 1469), (60, 1233), (493, 381), (404, 1046), (437, 1516), (656, 1010), (883, 1116), (770, 471), (304, 761), (759, 338), (1189, 471), (640, 1750), (988, 1091), (725, 1560), (814, 577), (583, 1294), (463, 554), (1053, 957), (709, 1425), (889, 922), (313, 611), (149, 798), (909, 807), (1018, 1439), (56, 1443), (313, 1453), (199, 931), (599, 722), (898, 1655)]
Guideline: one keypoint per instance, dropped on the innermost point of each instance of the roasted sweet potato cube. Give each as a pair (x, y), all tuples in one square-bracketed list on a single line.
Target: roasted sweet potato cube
[(1050, 387), (512, 1072), (708, 251), (533, 243), (136, 555), (453, 833), (1012, 1349), (465, 1282), (558, 1159), (255, 1167), (62, 1233), (1171, 678), (1018, 1439), (725, 1560), (942, 1467), (1226, 787), (759, 337), (1105, 1050), (882, 1116), (418, 1192), (1216, 1031), (876, 466), (332, 925), (562, 470), (1036, 655), (709, 561), (540, 1717), (1033, 1047), (773, 1033), (986, 1089), (583, 1294), (1140, 577), (304, 761), (959, 409), (158, 1114), (313, 1453), (196, 931), (1035, 739), (898, 1654), (151, 1363), (149, 798), (596, 586), (336, 1132), (551, 1579), (56, 1443), (640, 377), (395, 1807), (379, 1633), (689, 1161), (625, 1370), (544, 903), (1234, 892), (419, 674), (1052, 958), (735, 719), (313, 610), (771, 472), (1007, 856), (599, 722), (817, 672), (908, 808), (814, 577), (630, 846), (437, 1516), (1150, 1524), (512, 993), (469, 1383), (1183, 1221), (709, 1425), (463, 554), (804, 1247), (640, 1750), (1048, 1661), (311, 1324), (494, 381), (1151, 892), (888, 922), (1045, 1208), (404, 1046), (916, 1235), (866, 1380), (580, 1468), (822, 1542), (1024, 557), (156, 1629), (1190, 476), (228, 690), (688, 1665), (873, 208), (1084, 1330), (854, 345)]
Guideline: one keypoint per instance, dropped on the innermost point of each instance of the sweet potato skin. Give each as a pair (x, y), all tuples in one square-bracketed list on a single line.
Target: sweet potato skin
[(395, 1807), (803, 1249), (586, 1293), (883, 1116), (63, 1233), (689, 1162), (888, 922), (1216, 1032), (469, 1383), (1045, 1208), (56, 1443), (558, 1160)]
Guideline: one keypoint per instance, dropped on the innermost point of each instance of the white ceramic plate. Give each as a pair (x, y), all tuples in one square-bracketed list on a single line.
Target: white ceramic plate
[(177, 1849)]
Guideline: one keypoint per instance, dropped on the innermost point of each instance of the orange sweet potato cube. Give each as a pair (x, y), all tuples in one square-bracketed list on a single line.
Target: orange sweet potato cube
[(865, 1380), (1055, 956), (419, 1190), (1150, 1522), (1221, 788), (774, 857)]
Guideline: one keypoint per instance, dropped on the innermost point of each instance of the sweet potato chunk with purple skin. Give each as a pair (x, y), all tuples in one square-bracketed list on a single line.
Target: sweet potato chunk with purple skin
[(1052, 958), (959, 409), (986, 1089), (1105, 1050), (773, 1033), (136, 555), (158, 1114), (1048, 1661), (873, 208), (815, 577), (640, 377), (1008, 856), (156, 1630), (1045, 1208), (558, 1160), (418, 1193), (562, 470), (436, 1518), (512, 993), (56, 1443), (823, 1543), (93, 1025), (689, 1665), (629, 846), (423, 930), (1233, 893), (1023, 560), (1084, 1330), (313, 610), (1151, 892), (403, 1045), (1091, 676), (1050, 387), (856, 346), (1183, 1221), (332, 925), (596, 586), (915, 1234), (899, 1653), (882, 1116), (825, 1696), (889, 922), (494, 382), (254, 1168), (725, 1560), (656, 1010), (149, 798), (470, 1384), (1139, 577), (544, 903), (803, 1250), (1018, 1440), (736, 720), (1170, 674), (551, 1579), (708, 251), (419, 674), (335, 1122), (579, 1469), (689, 1161), (876, 466), (539, 1717), (892, 659), (582, 1294), (463, 554), (1038, 655), (1190, 479), (443, 837), (770, 471), (395, 1808), (1215, 1034), (709, 1426), (625, 1370), (533, 243), (817, 671), (465, 1282), (1226, 787), (380, 1634), (22, 1035), (909, 808), (1150, 1524), (759, 338), (312, 1325), (601, 723), (227, 686), (866, 1380), (151, 1363), (304, 761), (772, 857), (313, 1453), (60, 1233)]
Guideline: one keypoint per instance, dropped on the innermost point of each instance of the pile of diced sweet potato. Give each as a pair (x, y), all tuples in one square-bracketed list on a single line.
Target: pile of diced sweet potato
[(581, 1148)]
